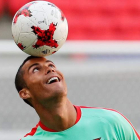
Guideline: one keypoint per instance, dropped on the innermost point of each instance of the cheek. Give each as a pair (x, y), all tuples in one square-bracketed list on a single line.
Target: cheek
[(65, 86), (34, 82), (64, 82), (36, 91)]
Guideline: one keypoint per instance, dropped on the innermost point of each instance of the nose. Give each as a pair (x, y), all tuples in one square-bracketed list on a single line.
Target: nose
[(50, 69)]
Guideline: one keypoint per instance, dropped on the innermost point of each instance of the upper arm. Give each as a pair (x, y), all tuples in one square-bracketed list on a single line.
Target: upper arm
[(124, 128)]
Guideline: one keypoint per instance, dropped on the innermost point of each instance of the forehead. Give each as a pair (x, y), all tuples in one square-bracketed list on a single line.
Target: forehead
[(34, 61)]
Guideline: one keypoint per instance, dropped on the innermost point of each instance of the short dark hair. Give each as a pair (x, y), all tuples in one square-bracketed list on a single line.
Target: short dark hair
[(19, 80)]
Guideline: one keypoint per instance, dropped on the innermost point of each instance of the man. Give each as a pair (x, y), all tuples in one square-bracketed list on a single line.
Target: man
[(42, 86)]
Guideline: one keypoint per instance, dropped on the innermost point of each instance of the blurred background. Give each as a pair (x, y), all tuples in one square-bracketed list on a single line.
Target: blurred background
[(100, 61)]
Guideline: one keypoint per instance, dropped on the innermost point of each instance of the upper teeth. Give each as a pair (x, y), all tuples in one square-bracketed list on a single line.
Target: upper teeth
[(53, 78)]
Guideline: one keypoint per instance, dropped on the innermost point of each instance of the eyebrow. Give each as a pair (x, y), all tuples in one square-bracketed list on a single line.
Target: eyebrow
[(35, 64)]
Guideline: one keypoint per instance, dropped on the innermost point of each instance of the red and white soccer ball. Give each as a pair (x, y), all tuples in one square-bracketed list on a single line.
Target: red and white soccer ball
[(39, 28)]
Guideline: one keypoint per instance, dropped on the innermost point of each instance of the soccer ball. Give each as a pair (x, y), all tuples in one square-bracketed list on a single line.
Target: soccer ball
[(39, 28)]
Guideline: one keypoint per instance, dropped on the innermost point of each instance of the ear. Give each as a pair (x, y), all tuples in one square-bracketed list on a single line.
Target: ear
[(24, 93)]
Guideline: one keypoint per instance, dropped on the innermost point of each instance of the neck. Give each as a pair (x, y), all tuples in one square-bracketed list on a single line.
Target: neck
[(58, 117)]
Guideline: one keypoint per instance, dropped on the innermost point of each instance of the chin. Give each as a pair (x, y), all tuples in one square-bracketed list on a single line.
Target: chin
[(60, 92), (58, 88)]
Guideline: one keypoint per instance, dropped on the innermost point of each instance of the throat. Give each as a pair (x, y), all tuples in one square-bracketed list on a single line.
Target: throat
[(62, 123), (60, 119)]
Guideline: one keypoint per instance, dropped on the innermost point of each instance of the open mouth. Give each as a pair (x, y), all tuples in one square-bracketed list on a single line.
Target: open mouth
[(53, 80)]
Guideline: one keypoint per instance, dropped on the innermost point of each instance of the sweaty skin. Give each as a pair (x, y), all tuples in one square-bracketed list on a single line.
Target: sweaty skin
[(49, 100)]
